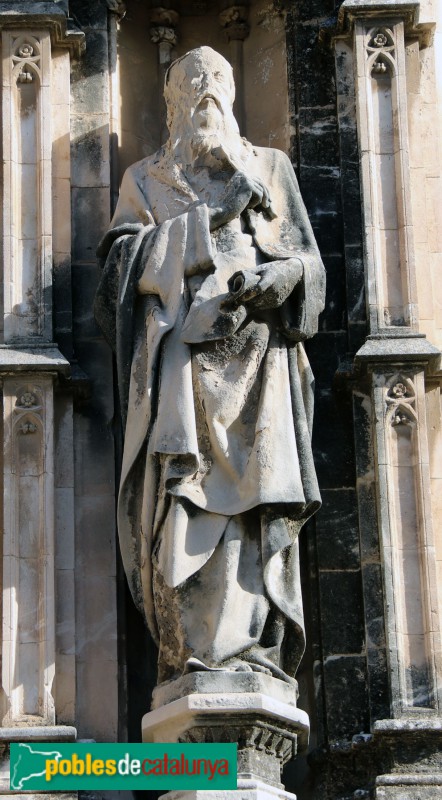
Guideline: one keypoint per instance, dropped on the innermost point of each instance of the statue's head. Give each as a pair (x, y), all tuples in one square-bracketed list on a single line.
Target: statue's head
[(199, 92)]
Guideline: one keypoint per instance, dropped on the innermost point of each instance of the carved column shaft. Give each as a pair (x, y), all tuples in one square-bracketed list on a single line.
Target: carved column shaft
[(37, 244), (27, 206), (397, 357), (163, 33), (407, 541), (381, 92), (118, 10), (233, 21), (28, 663)]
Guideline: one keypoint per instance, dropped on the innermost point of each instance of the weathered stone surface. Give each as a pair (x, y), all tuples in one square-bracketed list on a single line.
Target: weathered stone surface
[(399, 348), (342, 612), (45, 796), (251, 789), (346, 693), (42, 733), (223, 683), (333, 443), (337, 530), (310, 110), (253, 720), (335, 300), (44, 14), (30, 359), (404, 789), (230, 466)]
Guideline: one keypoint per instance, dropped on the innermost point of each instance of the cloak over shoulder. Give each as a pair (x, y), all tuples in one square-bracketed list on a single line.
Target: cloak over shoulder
[(159, 235)]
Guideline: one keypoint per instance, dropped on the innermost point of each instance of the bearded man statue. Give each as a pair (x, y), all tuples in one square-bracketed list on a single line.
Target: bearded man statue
[(211, 281)]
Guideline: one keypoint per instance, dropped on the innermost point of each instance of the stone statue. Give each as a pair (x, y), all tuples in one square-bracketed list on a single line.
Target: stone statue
[(211, 281)]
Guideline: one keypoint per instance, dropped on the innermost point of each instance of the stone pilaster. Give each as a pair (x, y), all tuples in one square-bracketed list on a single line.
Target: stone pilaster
[(37, 42), (234, 23), (164, 34), (402, 634), (47, 733)]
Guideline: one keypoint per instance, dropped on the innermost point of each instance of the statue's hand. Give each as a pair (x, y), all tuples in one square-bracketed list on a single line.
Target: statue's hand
[(242, 191), (278, 279)]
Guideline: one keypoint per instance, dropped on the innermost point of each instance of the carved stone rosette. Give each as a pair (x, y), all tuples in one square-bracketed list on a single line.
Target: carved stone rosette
[(384, 146), (381, 50), (401, 402)]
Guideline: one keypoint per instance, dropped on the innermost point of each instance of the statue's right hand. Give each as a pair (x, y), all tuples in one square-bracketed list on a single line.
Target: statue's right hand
[(242, 191)]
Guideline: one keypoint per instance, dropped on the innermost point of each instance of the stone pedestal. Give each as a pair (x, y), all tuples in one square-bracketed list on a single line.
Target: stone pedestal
[(255, 711), (400, 760), (247, 790), (412, 753), (39, 733)]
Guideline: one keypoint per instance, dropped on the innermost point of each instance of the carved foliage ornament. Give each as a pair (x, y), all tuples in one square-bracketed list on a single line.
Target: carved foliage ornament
[(233, 20), (26, 400), (164, 23), (27, 427), (27, 411), (380, 50), (160, 33), (26, 58), (275, 740)]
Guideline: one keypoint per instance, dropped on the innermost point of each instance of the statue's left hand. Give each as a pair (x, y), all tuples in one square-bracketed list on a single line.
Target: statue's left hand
[(278, 279)]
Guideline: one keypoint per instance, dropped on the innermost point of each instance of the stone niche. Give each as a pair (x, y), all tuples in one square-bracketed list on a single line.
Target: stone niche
[(252, 36), (259, 61)]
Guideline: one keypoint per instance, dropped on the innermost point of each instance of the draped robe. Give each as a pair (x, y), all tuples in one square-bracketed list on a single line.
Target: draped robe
[(217, 408)]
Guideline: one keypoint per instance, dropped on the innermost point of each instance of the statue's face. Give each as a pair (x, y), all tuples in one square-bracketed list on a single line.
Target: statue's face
[(209, 93), (201, 86)]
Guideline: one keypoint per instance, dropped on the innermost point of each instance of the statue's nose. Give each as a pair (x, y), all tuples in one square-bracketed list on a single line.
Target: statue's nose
[(204, 82)]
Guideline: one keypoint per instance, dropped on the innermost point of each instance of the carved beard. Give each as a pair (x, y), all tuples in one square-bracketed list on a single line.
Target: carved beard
[(209, 149), (219, 155), (220, 146)]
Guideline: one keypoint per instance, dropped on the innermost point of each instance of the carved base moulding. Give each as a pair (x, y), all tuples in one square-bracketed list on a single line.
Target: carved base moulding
[(247, 790), (257, 712), (38, 733)]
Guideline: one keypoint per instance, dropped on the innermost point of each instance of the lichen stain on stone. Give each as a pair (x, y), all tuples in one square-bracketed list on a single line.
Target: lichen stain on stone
[(26, 111), (265, 70), (271, 17)]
